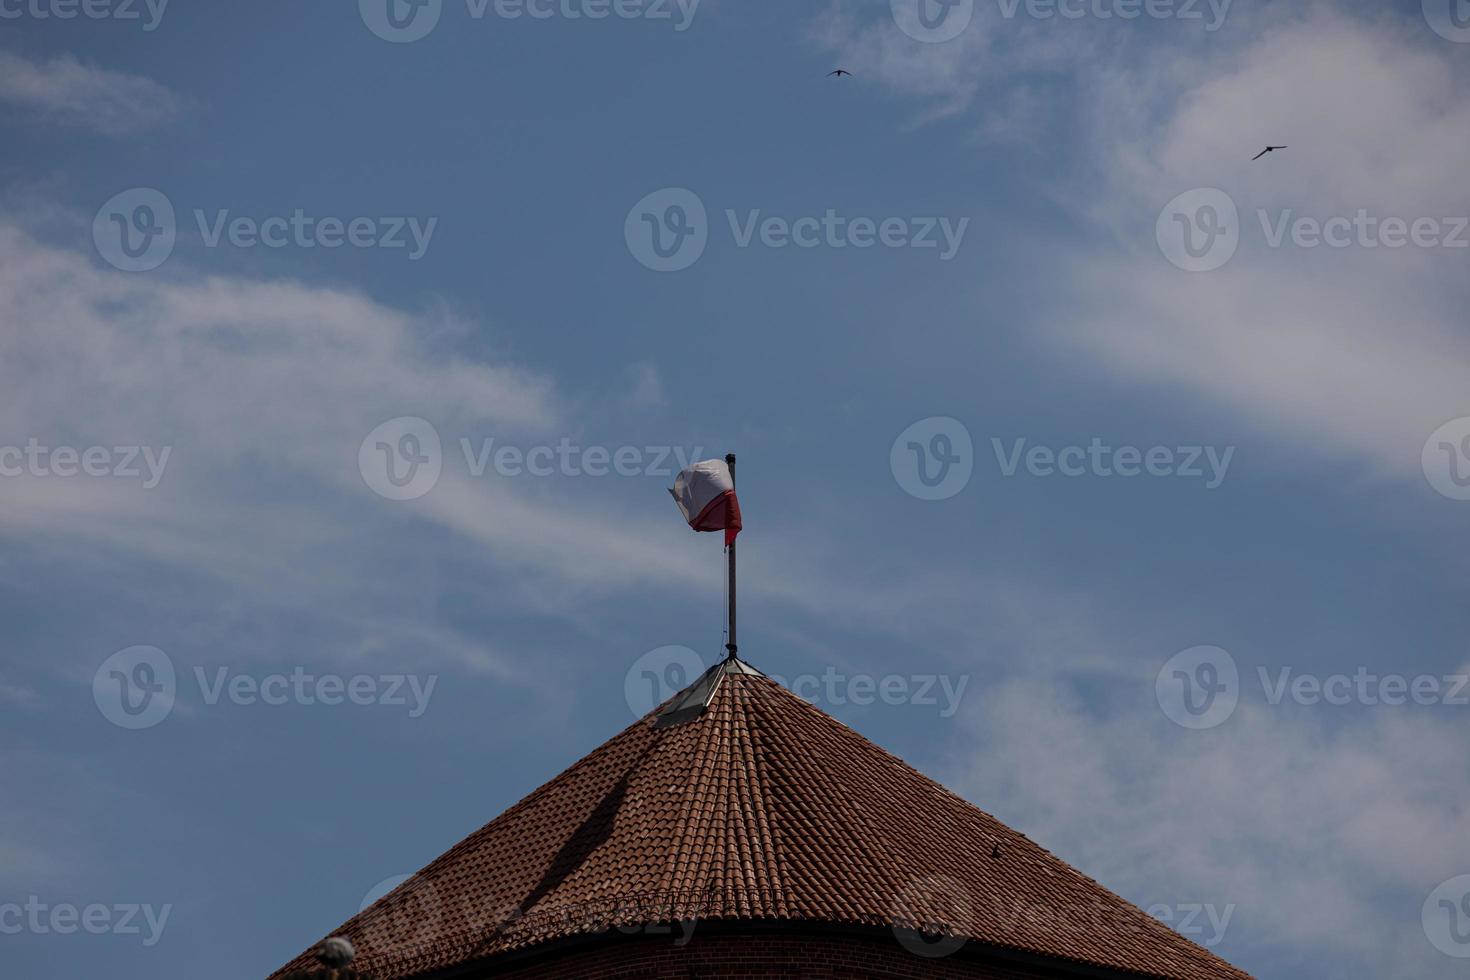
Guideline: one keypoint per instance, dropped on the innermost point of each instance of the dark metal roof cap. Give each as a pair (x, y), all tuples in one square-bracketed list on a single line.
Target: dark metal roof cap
[(691, 702)]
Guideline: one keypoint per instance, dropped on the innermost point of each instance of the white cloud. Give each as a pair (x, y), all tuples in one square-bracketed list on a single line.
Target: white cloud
[(1357, 353), (65, 90), (986, 64), (1305, 827), (1359, 364), (263, 392), (1352, 352), (1326, 832)]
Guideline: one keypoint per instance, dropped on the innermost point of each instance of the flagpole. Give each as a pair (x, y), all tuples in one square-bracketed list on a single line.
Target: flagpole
[(731, 645)]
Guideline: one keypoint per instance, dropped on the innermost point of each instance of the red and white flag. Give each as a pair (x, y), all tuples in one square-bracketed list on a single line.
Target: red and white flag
[(705, 492)]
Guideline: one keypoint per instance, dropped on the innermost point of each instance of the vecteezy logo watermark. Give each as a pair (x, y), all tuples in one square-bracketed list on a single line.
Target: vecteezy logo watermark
[(658, 675), (299, 687), (1201, 687), (836, 689), (136, 231), (65, 919), (409, 911), (1450, 19), (137, 688), (1198, 688), (1362, 230), (1364, 687), (1446, 917), (301, 230), (1121, 10), (933, 21), (402, 21), (933, 459), (62, 462), (1206, 463), (401, 459), (1199, 230), (571, 460), (1203, 922), (930, 916), (124, 10), (668, 230), (833, 230), (1446, 459)]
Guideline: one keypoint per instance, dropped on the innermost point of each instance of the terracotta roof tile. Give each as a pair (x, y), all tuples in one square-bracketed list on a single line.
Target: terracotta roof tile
[(762, 808)]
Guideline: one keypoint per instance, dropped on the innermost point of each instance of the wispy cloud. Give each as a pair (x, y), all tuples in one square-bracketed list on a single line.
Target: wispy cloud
[(66, 91), (16, 694), (264, 392), (1354, 351), (1327, 833), (1305, 828)]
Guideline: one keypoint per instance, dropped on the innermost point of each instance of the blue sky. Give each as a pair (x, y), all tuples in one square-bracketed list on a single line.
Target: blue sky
[(1066, 155)]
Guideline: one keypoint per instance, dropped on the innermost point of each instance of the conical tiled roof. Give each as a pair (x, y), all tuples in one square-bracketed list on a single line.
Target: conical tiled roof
[(761, 808)]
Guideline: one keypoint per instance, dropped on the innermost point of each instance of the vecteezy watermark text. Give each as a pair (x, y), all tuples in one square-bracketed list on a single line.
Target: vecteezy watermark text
[(1362, 230), (931, 914), (303, 688), (1200, 230), (1200, 688), (410, 910), (144, 463), (1364, 687), (301, 230), (937, 21), (137, 688), (659, 674), (833, 230), (835, 688), (668, 231), (403, 458), (1211, 12), (405, 21), (149, 12), (566, 458), (934, 458), (136, 231), (1206, 463), (66, 919)]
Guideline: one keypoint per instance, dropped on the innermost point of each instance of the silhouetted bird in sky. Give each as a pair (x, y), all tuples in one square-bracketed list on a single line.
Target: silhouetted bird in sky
[(839, 72), (1269, 149)]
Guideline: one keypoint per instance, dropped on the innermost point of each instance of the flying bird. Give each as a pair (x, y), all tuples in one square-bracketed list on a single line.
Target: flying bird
[(839, 72), (1269, 149)]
